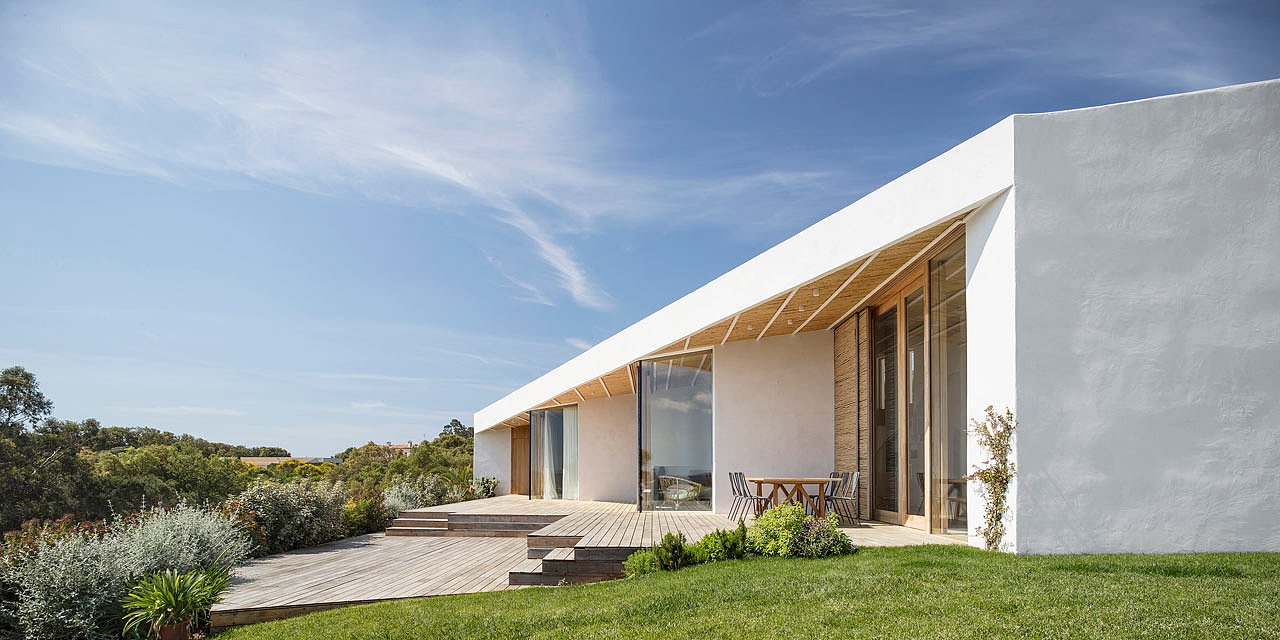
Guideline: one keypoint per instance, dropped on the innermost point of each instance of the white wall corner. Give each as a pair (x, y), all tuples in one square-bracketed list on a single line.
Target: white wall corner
[(492, 457), (991, 310)]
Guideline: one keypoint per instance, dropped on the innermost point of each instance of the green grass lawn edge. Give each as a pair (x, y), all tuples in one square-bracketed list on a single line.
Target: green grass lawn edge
[(911, 592)]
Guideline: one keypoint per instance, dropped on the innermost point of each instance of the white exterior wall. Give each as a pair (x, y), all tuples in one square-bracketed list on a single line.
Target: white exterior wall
[(607, 457), (492, 457), (1148, 325), (992, 340), (774, 409)]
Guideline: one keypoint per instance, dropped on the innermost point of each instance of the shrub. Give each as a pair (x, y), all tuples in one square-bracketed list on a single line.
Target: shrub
[(297, 514), (786, 531), (775, 531), (417, 492), (725, 545), (364, 516), (640, 563), (69, 582), (171, 598), (822, 537), (671, 553), (484, 487)]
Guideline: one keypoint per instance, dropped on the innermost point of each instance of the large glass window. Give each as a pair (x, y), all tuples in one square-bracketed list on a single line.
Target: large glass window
[(675, 433), (553, 453), (884, 409), (949, 374)]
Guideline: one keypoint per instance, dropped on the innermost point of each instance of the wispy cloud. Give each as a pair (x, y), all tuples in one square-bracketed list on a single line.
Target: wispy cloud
[(367, 405), (792, 45), (578, 343), (490, 117), (186, 411)]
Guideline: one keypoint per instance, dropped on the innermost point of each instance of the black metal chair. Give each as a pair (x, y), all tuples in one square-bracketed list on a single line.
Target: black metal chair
[(828, 490), (844, 499), (743, 498)]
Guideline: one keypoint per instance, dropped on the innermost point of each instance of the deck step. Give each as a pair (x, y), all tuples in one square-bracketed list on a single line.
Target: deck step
[(450, 533), (496, 525), (426, 523), (504, 517), (601, 554), (540, 552)]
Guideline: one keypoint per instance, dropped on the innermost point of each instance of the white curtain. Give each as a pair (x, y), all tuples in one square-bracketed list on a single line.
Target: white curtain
[(570, 453)]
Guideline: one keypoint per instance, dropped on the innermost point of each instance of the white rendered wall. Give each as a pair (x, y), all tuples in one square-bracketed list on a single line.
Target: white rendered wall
[(607, 456), (492, 457), (1148, 324), (990, 331), (774, 409)]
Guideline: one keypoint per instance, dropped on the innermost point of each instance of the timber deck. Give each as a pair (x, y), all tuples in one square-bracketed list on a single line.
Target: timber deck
[(482, 545)]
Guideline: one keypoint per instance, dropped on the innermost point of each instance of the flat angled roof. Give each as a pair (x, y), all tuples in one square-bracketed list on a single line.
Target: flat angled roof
[(831, 252)]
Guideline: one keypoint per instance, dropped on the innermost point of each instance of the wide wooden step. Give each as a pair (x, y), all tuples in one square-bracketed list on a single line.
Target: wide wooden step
[(425, 523), (503, 517), (483, 525), (601, 554), (540, 552), (450, 533)]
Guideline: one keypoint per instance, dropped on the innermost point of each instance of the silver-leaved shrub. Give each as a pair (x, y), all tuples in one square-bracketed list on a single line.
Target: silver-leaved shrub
[(70, 586), (296, 514), (417, 492)]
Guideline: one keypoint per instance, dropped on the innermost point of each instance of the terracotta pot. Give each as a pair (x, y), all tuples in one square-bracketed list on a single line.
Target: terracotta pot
[(180, 631)]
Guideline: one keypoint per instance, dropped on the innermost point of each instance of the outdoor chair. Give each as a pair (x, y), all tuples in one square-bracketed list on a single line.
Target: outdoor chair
[(743, 498), (677, 490), (828, 490), (844, 500)]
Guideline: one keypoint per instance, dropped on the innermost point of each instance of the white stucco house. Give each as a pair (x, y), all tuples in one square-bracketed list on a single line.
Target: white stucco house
[(1111, 275)]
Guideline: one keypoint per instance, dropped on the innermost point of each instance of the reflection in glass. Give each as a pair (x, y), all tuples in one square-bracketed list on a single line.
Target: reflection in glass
[(913, 314), (675, 433), (884, 409), (553, 453), (949, 366)]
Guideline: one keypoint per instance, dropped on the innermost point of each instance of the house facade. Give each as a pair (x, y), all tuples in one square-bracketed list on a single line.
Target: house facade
[(1111, 275)]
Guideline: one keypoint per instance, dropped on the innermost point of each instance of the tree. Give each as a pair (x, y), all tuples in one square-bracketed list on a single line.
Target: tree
[(21, 403), (455, 427)]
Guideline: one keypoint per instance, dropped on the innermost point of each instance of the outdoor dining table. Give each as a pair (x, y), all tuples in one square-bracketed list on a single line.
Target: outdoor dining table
[(792, 490)]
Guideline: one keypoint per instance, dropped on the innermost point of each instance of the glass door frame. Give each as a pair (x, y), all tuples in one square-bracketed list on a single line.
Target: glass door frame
[(895, 297)]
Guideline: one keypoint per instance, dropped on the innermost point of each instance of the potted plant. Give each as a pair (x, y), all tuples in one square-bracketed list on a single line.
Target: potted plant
[(168, 604)]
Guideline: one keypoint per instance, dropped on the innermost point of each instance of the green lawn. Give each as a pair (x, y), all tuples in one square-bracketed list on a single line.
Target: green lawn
[(913, 592)]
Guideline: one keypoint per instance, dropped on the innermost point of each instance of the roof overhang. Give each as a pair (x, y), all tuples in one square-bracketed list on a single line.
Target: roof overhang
[(835, 248)]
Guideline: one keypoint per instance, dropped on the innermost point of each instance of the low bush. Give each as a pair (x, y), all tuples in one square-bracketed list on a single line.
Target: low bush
[(68, 582), (785, 531), (484, 487), (775, 531), (364, 516), (296, 514), (415, 492), (724, 545), (671, 553), (821, 538), (642, 562)]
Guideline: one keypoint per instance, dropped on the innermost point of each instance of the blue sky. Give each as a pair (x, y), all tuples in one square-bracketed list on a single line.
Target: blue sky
[(314, 225)]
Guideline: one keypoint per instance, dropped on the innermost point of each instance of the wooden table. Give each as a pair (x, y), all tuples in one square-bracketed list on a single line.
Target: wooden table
[(795, 492)]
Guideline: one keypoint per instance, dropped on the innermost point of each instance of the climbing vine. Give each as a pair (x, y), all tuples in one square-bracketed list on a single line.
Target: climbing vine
[(995, 434)]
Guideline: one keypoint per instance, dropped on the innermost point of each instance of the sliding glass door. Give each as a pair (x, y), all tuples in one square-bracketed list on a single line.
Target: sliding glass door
[(675, 433), (949, 390), (919, 438), (553, 453)]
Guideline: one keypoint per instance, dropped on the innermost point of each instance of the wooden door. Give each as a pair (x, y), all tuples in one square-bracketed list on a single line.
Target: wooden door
[(899, 408), (520, 460)]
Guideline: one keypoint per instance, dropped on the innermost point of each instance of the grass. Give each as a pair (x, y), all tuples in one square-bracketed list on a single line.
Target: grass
[(911, 592)]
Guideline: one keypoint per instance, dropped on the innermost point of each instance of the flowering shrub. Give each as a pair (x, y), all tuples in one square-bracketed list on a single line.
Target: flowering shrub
[(35, 534), (821, 537), (995, 434), (68, 582), (296, 514), (786, 531)]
